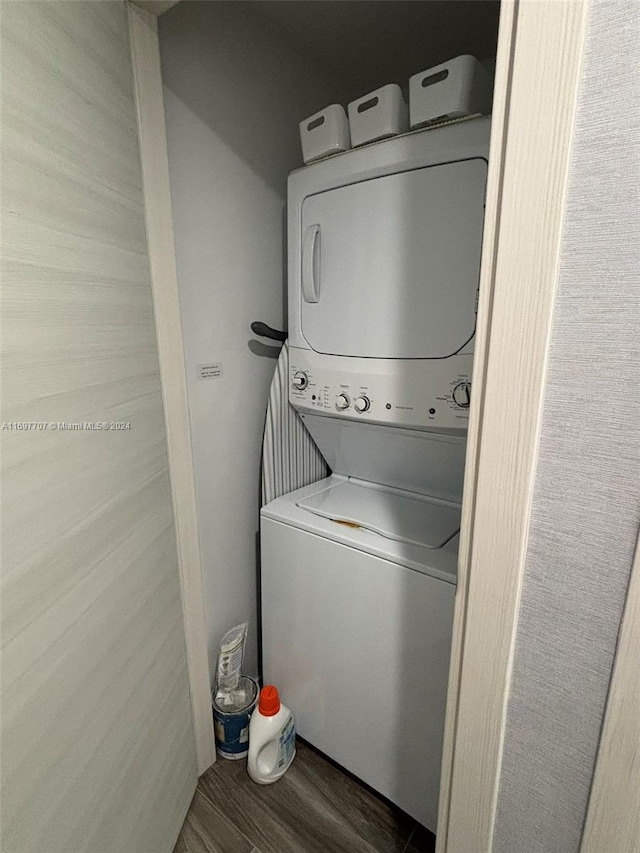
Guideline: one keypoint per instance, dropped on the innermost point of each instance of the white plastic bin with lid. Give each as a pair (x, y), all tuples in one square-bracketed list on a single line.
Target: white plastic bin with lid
[(457, 88), (378, 115), (325, 132)]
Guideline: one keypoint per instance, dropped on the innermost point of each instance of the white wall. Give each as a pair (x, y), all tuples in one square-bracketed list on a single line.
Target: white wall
[(235, 90)]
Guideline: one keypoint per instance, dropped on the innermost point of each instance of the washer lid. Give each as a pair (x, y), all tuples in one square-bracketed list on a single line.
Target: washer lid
[(401, 516)]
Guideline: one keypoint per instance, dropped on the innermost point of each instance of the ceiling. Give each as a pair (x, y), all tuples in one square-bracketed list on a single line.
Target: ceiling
[(155, 7), (372, 42)]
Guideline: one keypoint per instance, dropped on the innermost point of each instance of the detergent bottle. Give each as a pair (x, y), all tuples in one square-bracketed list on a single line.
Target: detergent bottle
[(272, 738)]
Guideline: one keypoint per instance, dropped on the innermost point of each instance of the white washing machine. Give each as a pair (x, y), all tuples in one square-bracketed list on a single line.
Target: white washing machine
[(357, 630), (359, 570)]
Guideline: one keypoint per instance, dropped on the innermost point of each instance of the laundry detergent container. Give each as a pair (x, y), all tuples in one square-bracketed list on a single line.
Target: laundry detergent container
[(458, 88), (378, 115), (324, 133)]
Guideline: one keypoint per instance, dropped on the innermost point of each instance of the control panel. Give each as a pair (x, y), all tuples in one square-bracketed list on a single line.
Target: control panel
[(422, 394)]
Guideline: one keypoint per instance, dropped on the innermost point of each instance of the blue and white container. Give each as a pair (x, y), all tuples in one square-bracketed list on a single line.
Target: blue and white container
[(231, 720)]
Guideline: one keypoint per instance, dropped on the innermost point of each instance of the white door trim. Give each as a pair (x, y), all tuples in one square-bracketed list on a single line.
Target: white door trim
[(613, 815), (149, 99), (499, 122), (540, 52)]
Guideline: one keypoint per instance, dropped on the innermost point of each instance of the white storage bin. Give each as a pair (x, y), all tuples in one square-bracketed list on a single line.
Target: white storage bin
[(326, 132), (460, 87), (378, 115)]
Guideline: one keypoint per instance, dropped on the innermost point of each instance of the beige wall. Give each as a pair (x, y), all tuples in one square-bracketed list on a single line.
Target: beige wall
[(585, 514), (97, 743)]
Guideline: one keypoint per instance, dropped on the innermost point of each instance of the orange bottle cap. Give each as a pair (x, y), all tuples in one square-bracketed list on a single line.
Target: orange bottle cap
[(269, 701)]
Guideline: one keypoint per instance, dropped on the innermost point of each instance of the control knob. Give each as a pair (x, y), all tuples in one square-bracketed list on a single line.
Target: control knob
[(462, 395), (342, 402), (362, 404), (300, 380)]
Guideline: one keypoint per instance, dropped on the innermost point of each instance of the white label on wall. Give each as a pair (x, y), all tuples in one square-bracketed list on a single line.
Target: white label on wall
[(210, 371)]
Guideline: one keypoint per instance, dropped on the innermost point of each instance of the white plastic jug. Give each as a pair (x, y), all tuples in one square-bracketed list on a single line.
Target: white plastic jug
[(272, 738)]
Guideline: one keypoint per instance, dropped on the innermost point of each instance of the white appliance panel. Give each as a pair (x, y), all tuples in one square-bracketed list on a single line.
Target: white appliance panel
[(390, 266), (405, 517), (422, 462), (359, 648), (441, 563), (432, 394)]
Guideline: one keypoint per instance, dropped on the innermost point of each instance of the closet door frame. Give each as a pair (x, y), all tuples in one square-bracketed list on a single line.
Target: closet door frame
[(540, 49), (149, 99), (613, 815)]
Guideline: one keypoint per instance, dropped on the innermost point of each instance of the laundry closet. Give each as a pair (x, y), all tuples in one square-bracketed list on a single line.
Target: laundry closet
[(239, 78)]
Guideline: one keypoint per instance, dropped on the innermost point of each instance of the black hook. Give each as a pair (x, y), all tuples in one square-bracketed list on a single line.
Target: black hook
[(265, 331)]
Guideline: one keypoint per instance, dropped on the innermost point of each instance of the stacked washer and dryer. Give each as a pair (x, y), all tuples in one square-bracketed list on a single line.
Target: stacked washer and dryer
[(359, 569)]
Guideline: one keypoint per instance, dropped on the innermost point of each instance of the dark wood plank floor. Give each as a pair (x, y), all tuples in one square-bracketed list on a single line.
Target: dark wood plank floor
[(315, 808)]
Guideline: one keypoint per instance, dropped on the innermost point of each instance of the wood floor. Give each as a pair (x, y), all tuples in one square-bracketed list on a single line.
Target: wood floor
[(314, 808)]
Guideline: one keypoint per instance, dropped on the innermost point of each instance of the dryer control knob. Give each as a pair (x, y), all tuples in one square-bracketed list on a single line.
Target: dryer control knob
[(300, 380), (462, 395), (362, 404), (342, 402)]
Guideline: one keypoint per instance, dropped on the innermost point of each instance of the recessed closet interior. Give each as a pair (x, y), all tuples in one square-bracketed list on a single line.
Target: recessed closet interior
[(238, 78)]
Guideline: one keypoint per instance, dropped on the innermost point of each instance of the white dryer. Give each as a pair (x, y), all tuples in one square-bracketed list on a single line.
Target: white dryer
[(359, 570)]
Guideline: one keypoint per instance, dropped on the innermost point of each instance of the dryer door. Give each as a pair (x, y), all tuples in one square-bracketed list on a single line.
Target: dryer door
[(390, 266)]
